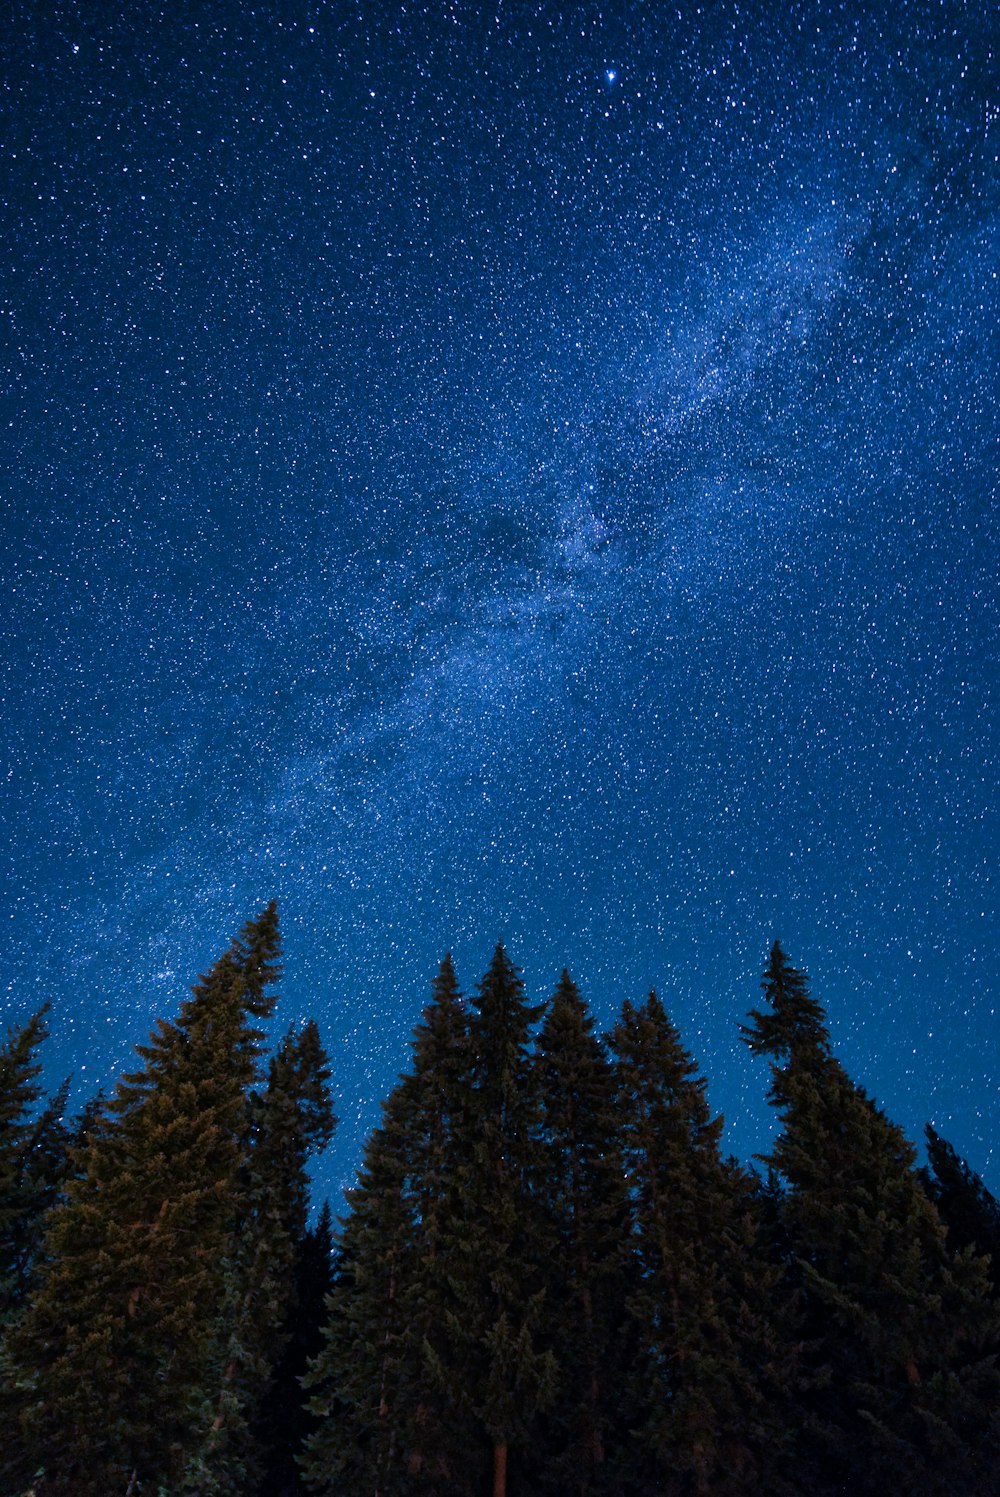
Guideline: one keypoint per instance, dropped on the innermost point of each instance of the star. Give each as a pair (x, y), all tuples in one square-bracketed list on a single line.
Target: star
[(573, 523)]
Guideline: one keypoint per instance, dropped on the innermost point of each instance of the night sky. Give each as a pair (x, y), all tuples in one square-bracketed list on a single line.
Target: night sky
[(506, 470)]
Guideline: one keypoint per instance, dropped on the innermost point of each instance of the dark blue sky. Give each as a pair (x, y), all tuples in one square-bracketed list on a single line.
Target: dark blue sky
[(514, 470)]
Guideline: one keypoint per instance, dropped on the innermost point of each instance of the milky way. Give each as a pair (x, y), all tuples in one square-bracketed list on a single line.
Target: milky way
[(523, 472)]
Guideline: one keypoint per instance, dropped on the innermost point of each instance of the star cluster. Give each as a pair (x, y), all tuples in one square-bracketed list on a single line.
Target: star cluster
[(518, 470)]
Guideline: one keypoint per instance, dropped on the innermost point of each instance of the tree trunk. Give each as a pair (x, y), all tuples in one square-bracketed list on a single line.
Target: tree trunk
[(500, 1470), (701, 1482), (592, 1440)]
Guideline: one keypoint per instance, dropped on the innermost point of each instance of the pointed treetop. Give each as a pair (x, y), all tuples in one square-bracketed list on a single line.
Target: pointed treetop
[(298, 1078), (566, 1003), (257, 951), (501, 991), (567, 991), (446, 971), (796, 1021), (445, 992), (19, 1069), (323, 1230), (567, 1029), (655, 1069), (443, 1025)]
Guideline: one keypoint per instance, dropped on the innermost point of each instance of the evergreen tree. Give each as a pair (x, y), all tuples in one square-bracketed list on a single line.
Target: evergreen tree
[(902, 1326), (581, 1187), (792, 1026), (356, 1449), (443, 1451), (968, 1210), (114, 1353), (509, 1374), (714, 1369), (47, 1161), (430, 1371), (291, 1120), (285, 1423), (389, 1409), (32, 1160)]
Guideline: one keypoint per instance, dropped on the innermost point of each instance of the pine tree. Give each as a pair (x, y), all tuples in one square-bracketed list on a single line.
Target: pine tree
[(968, 1210), (45, 1169), (32, 1160), (287, 1123), (792, 1025), (509, 1374), (356, 1449), (714, 1370), (430, 1362), (902, 1326), (285, 1423), (442, 1450), (114, 1353), (581, 1187), (389, 1408)]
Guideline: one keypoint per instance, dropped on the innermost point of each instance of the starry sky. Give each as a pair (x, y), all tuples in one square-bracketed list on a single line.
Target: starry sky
[(519, 470)]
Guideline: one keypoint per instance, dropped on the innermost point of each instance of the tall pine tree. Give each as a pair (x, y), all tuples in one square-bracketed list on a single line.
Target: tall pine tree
[(357, 1449), (904, 1395), (32, 1160), (115, 1352), (509, 1372), (286, 1123), (714, 1366), (581, 1188), (284, 1423), (431, 1373), (390, 1400), (967, 1208)]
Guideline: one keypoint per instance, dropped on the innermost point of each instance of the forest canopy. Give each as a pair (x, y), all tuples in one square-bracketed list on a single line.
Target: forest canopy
[(549, 1277)]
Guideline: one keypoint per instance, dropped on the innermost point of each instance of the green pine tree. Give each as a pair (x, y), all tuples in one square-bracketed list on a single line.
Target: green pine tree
[(904, 1394), (509, 1373), (581, 1186), (430, 1371), (443, 1453), (389, 1408), (287, 1123), (285, 1423), (356, 1449), (114, 1354), (715, 1368), (967, 1208), (32, 1160)]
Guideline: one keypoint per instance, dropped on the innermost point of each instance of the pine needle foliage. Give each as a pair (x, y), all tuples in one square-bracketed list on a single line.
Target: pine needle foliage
[(969, 1211), (115, 1351), (357, 1447), (32, 1159), (581, 1187), (391, 1414), (904, 1389), (284, 1423), (287, 1122), (714, 1370), (549, 1279), (511, 1373)]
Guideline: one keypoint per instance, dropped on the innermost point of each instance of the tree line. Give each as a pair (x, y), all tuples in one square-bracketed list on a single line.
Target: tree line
[(549, 1278)]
